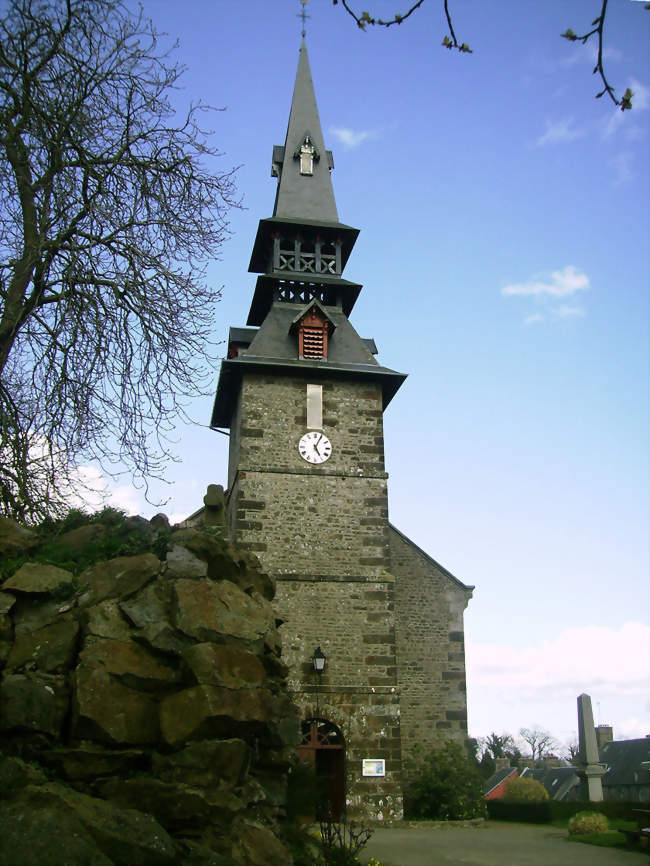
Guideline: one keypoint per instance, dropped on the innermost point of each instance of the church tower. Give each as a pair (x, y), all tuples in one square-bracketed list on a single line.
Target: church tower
[(303, 396)]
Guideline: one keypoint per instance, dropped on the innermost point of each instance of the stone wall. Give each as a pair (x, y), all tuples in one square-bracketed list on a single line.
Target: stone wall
[(429, 605), (144, 716)]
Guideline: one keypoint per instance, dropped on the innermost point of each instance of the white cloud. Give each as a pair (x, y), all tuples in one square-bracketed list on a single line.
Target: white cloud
[(587, 657), (510, 687), (640, 95), (559, 284), (535, 317), (613, 123), (622, 169), (350, 137), (564, 311), (127, 498), (560, 131)]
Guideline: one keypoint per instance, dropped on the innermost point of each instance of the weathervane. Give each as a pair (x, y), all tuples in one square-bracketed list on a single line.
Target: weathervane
[(303, 15)]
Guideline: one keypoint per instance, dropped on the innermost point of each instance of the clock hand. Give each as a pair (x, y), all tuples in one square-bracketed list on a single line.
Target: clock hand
[(316, 444)]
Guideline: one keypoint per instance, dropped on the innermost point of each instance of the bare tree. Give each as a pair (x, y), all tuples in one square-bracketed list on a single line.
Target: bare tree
[(539, 741), (450, 41), (108, 211), (571, 750)]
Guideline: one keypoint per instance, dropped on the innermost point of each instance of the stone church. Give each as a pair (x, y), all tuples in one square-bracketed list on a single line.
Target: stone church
[(372, 625)]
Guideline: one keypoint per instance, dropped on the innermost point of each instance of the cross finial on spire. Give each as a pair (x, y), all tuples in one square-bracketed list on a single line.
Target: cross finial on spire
[(303, 16)]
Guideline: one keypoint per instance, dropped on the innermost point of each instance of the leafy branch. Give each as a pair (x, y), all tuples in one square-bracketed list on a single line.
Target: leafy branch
[(450, 41), (598, 25), (366, 18)]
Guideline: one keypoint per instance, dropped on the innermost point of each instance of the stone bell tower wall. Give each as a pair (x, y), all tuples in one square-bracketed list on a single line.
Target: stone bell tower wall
[(322, 531), (324, 520)]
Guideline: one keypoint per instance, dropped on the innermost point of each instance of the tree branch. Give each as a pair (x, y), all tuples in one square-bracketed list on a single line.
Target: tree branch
[(598, 25)]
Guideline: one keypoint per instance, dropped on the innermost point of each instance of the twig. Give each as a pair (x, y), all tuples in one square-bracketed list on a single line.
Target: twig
[(598, 25), (366, 18)]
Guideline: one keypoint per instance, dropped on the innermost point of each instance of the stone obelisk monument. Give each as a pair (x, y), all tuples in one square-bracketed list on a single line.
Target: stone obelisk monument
[(589, 767)]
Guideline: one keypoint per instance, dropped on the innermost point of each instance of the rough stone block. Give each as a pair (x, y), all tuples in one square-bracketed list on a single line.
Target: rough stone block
[(206, 610), (107, 711), (34, 577), (150, 605), (90, 762), (35, 831), (162, 638), (132, 663), (106, 620), (33, 703), (117, 578), (223, 665), (257, 846), (207, 710), (181, 562), (126, 836), (50, 649), (206, 763), (33, 612)]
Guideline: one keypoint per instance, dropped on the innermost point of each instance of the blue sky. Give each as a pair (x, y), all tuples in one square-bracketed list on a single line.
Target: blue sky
[(504, 216)]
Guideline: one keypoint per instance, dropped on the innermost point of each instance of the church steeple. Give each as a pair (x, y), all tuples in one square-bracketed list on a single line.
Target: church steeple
[(298, 319), (303, 248), (303, 165)]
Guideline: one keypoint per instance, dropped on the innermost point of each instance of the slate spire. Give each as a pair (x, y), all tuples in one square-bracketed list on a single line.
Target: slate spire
[(303, 166)]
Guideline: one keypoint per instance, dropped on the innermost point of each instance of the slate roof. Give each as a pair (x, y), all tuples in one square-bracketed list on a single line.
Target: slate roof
[(628, 762), (497, 778), (273, 338), (244, 337), (558, 781), (304, 197), (273, 350)]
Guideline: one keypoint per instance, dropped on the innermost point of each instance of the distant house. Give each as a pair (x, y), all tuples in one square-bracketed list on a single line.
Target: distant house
[(561, 783), (628, 770), (495, 787)]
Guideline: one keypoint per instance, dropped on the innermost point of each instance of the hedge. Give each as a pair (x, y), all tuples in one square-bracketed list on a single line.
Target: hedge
[(552, 810)]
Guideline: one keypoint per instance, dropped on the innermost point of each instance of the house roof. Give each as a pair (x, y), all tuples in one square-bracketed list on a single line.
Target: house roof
[(628, 762), (498, 778), (558, 781)]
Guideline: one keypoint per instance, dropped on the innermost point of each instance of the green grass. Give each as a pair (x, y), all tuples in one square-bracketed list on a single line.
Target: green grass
[(611, 839)]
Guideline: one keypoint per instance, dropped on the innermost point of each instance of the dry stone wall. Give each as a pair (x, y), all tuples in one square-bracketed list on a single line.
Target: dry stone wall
[(144, 717)]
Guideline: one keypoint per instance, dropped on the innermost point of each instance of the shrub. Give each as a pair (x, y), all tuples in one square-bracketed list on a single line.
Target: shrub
[(586, 823), (525, 791), (446, 786)]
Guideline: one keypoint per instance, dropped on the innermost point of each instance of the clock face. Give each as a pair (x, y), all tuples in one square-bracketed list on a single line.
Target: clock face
[(314, 447)]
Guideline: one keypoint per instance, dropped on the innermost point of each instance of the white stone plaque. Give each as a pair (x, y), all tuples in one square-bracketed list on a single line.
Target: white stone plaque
[(374, 767)]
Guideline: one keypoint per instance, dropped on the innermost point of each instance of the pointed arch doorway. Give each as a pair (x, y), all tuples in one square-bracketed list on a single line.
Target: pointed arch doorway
[(323, 748)]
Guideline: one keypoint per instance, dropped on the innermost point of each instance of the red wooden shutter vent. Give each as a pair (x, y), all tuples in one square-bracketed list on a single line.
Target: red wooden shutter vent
[(312, 337)]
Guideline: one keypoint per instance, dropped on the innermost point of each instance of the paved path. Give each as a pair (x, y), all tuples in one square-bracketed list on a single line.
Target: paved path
[(490, 844)]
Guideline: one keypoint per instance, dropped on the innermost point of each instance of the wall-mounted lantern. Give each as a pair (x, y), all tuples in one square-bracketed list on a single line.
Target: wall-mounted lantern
[(319, 660)]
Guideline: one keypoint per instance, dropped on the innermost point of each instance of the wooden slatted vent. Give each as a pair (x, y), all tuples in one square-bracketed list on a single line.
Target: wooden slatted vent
[(312, 336)]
